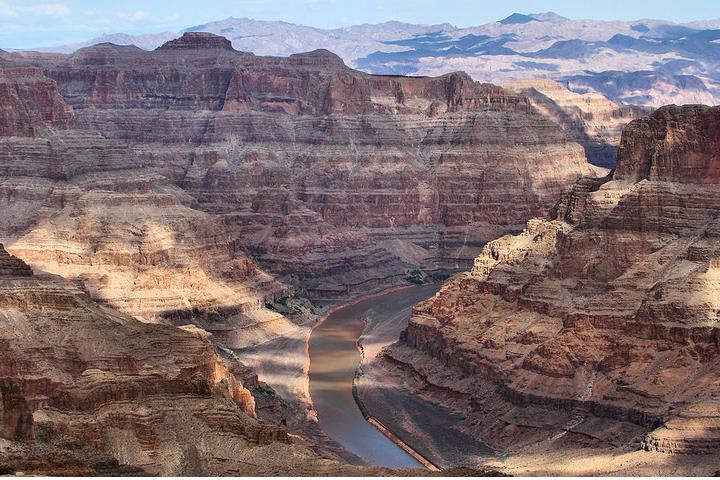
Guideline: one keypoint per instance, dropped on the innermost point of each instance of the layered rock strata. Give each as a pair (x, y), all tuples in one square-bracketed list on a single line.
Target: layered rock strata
[(29, 99), (590, 119), (199, 185), (334, 180), (84, 206), (594, 332), (94, 391)]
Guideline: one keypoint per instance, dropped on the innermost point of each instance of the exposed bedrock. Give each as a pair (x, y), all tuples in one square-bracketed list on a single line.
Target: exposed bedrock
[(28, 101), (120, 392), (594, 331), (590, 119), (199, 185), (335, 181)]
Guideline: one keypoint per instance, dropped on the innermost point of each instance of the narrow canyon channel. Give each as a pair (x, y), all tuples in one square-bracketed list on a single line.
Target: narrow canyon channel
[(334, 359)]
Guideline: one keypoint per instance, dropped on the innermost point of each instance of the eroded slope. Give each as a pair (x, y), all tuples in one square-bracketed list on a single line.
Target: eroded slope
[(589, 343), (334, 180), (86, 390)]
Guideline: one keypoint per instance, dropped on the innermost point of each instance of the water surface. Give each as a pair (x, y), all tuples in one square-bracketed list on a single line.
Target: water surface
[(334, 359)]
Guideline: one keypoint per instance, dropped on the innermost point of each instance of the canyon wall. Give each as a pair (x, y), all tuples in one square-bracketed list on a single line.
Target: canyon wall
[(85, 390), (589, 343), (88, 207), (334, 181), (590, 119)]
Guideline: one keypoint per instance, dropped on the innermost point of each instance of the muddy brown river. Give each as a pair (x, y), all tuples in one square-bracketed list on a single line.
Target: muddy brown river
[(334, 359)]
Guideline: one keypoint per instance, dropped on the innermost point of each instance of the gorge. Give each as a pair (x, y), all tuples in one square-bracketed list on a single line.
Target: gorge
[(588, 343), (176, 223)]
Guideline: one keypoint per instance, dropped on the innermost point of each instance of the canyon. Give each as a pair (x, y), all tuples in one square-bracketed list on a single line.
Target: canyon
[(253, 176), (588, 343), (172, 220), (176, 221)]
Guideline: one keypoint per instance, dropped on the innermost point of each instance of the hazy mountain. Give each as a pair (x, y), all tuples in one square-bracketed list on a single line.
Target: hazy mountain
[(281, 38), (148, 41), (650, 62)]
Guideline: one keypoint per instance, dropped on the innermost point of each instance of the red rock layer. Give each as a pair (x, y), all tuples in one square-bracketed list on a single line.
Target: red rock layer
[(334, 180), (29, 100), (597, 328)]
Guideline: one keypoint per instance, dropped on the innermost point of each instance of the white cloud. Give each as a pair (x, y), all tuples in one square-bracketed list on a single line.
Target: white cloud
[(48, 9), (133, 17), (7, 10), (39, 9)]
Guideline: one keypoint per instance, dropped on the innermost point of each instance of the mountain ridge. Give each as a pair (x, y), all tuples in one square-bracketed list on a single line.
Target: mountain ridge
[(641, 62)]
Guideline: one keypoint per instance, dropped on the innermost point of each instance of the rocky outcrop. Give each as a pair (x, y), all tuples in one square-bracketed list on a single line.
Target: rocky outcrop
[(93, 391), (679, 144), (29, 100), (335, 181), (590, 119), (193, 41), (594, 331)]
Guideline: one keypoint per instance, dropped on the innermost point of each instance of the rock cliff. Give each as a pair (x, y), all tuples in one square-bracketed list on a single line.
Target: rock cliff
[(86, 390), (589, 342), (29, 100), (590, 119), (335, 181)]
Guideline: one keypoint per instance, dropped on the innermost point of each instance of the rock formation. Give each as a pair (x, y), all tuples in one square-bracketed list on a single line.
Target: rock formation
[(589, 342), (29, 100), (87, 207), (87, 390), (195, 186), (333, 180), (590, 119)]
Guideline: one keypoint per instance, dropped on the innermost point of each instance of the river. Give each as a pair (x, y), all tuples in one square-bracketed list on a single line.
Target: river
[(334, 359)]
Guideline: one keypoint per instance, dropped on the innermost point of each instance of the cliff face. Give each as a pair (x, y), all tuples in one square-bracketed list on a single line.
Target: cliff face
[(334, 180), (676, 145), (29, 100), (594, 331), (590, 119), (86, 390), (84, 206)]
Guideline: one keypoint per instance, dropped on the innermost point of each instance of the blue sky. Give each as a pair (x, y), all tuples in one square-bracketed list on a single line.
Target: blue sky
[(34, 23)]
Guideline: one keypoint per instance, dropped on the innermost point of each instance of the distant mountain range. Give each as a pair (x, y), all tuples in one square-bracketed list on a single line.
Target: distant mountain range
[(645, 62)]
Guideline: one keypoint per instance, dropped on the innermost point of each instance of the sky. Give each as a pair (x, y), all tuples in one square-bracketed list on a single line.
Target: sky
[(37, 23)]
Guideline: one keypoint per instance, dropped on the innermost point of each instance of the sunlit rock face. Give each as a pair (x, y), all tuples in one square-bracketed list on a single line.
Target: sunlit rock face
[(590, 119), (86, 390), (595, 330), (333, 180)]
